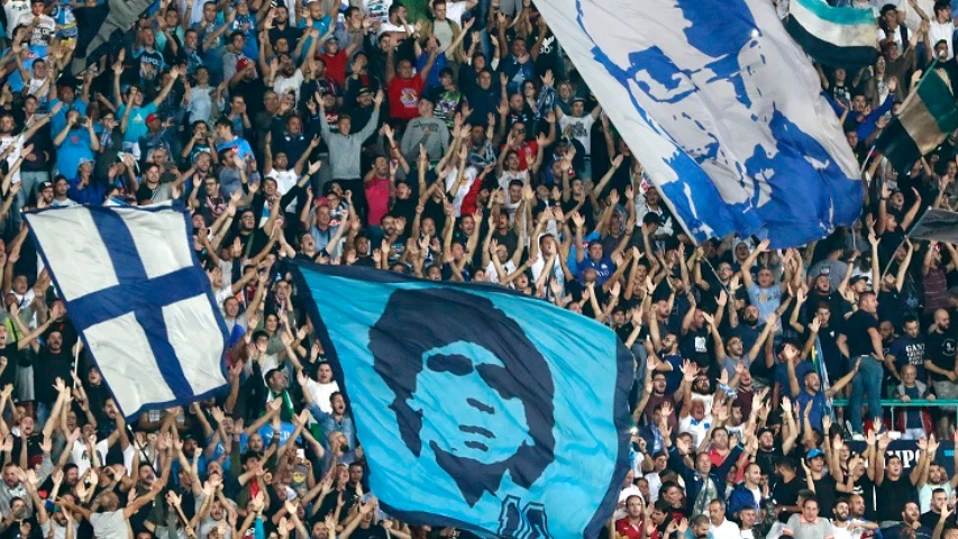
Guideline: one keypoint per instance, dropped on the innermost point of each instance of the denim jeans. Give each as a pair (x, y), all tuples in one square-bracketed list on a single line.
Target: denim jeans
[(867, 381)]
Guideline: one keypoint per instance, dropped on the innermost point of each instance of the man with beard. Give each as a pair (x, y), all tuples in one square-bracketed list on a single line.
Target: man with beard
[(937, 478), (910, 525), (55, 525), (845, 526), (732, 353), (667, 351), (908, 349), (812, 392)]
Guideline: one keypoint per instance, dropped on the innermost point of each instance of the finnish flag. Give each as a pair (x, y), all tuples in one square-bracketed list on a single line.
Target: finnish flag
[(139, 298)]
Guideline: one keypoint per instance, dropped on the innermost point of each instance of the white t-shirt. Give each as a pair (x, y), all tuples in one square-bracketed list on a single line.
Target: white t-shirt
[(455, 11), (507, 177), (726, 530), (494, 276), (938, 32), (285, 180), (82, 459), (14, 10), (468, 178), (110, 525), (897, 37), (320, 394), (59, 532), (43, 33), (282, 85), (581, 130), (17, 141)]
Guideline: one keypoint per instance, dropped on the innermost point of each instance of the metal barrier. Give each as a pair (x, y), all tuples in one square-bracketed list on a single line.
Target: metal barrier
[(914, 403)]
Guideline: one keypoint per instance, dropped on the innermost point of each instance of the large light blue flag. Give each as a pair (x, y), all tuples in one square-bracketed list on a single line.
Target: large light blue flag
[(722, 108), (477, 407)]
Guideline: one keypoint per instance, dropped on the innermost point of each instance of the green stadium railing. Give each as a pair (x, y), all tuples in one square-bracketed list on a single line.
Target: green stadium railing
[(891, 404)]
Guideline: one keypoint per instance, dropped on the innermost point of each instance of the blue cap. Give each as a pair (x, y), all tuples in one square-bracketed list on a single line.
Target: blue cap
[(812, 453)]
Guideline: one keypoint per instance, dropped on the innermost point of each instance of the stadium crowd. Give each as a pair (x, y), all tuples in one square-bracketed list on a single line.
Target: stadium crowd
[(459, 147)]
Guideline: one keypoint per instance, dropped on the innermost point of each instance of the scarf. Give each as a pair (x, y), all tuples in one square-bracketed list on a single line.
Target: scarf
[(708, 493)]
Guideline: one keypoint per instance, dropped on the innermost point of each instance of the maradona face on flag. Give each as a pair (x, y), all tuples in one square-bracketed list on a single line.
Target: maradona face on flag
[(695, 87), (477, 407), (139, 299)]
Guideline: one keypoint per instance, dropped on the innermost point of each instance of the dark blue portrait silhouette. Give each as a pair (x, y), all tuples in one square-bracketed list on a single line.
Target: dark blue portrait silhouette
[(482, 403)]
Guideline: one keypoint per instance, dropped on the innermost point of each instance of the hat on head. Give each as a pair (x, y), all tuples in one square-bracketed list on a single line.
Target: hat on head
[(814, 453), (152, 116), (857, 279), (242, 63), (84, 160), (45, 185)]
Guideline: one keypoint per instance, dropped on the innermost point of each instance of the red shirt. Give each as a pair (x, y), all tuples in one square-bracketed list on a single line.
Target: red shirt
[(404, 97), (377, 199), (624, 527), (336, 66), (527, 154)]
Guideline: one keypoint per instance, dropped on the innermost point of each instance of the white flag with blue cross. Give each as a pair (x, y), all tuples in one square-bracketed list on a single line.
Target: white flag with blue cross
[(139, 298)]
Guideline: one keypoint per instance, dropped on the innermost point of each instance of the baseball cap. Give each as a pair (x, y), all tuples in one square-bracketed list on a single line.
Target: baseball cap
[(242, 63), (151, 117), (46, 185), (84, 160), (857, 279), (814, 453)]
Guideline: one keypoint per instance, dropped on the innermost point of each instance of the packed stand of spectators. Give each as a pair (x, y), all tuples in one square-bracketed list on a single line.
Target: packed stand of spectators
[(462, 147)]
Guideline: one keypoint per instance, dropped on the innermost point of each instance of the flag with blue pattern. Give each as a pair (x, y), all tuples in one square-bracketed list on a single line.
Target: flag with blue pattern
[(477, 407), (723, 110), (139, 298)]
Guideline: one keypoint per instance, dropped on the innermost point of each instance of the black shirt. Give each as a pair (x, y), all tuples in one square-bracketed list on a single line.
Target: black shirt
[(50, 367), (929, 519), (856, 329), (787, 494), (893, 495), (940, 349), (825, 493), (9, 375)]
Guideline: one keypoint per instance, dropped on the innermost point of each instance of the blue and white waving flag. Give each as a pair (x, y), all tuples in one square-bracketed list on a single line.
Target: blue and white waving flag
[(477, 407), (722, 108), (140, 300)]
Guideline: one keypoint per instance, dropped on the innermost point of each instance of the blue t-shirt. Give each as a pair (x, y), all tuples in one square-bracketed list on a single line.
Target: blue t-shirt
[(91, 195), (75, 146), (817, 412), (603, 269), (59, 119), (909, 351), (136, 127), (765, 299), (36, 52), (240, 144), (673, 379), (322, 25), (781, 375)]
